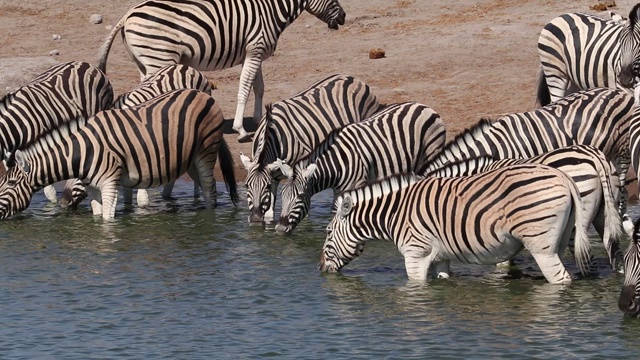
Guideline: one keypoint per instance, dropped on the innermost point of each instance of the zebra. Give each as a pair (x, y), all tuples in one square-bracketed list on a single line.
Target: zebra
[(63, 92), (214, 35), (292, 128), (629, 300), (140, 147), (597, 117), (580, 51), (593, 174), (167, 78), (481, 219), (401, 138)]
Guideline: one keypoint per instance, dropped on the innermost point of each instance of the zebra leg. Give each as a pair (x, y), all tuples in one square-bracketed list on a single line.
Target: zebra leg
[(258, 92), (109, 191), (441, 269), (96, 199), (168, 190), (204, 178), (417, 262), (51, 194), (196, 190), (127, 194), (250, 67), (552, 267), (142, 198)]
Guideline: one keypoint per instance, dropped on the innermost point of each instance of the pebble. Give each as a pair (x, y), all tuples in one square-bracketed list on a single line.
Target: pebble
[(109, 27), (54, 52), (56, 37), (96, 19), (307, 26)]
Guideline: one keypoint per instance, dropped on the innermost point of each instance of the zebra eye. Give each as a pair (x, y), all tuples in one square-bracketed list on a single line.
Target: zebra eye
[(12, 183)]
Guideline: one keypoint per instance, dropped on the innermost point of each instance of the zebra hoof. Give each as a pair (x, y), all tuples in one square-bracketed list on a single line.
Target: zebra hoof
[(244, 138)]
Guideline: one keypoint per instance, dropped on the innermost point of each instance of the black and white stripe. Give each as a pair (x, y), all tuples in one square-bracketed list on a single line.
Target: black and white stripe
[(168, 78), (629, 300), (140, 147), (293, 128), (598, 117), (400, 139), (581, 51), (63, 92), (482, 219), (594, 176), (214, 35)]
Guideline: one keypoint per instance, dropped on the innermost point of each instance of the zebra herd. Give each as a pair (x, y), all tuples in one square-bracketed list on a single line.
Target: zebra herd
[(533, 180)]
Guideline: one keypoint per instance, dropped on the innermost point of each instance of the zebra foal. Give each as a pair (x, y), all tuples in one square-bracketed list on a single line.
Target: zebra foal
[(61, 93), (214, 35), (291, 130), (399, 139), (482, 219), (167, 78), (140, 147), (581, 51), (592, 173)]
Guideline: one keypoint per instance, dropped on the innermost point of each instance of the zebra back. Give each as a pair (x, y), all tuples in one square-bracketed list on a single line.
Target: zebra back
[(167, 78)]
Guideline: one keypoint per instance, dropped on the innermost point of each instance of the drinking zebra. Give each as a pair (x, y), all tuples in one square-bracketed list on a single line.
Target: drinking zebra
[(214, 35), (62, 92), (597, 117), (629, 300), (402, 138), (482, 219), (594, 176), (167, 78), (292, 128), (140, 147), (580, 51)]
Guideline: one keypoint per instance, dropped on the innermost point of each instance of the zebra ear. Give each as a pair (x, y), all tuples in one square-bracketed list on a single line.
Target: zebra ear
[(246, 161), (9, 160), (634, 15), (286, 170), (22, 162), (347, 205), (308, 172)]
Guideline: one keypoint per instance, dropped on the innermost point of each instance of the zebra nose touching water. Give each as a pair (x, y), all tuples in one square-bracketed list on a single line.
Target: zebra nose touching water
[(629, 300), (145, 146), (214, 35)]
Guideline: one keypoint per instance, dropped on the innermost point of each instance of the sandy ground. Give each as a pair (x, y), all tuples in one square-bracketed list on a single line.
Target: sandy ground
[(465, 58)]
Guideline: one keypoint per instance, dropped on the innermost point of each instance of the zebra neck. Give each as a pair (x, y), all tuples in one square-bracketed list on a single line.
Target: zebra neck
[(50, 164), (288, 11)]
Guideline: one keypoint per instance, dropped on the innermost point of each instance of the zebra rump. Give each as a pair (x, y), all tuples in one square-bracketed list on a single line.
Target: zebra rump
[(292, 128), (214, 35), (588, 168), (581, 51), (401, 138), (481, 219), (140, 147)]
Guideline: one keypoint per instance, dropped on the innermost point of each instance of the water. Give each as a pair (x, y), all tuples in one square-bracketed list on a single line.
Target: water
[(178, 281)]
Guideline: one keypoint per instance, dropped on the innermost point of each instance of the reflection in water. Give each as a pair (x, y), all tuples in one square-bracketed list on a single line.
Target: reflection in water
[(179, 281)]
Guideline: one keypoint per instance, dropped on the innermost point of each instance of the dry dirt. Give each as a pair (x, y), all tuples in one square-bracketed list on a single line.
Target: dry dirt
[(466, 59)]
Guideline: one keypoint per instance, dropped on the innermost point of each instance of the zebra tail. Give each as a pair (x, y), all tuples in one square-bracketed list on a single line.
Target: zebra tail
[(103, 53), (613, 228), (543, 95), (584, 260), (227, 166)]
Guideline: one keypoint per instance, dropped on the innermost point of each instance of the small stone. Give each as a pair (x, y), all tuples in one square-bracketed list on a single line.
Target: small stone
[(54, 53), (376, 53), (399, 91), (56, 37), (307, 26), (96, 19), (109, 27)]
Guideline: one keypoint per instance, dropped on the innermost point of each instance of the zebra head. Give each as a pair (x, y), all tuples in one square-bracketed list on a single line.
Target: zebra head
[(329, 11), (296, 199), (342, 243), (260, 178), (630, 49), (629, 300), (15, 190)]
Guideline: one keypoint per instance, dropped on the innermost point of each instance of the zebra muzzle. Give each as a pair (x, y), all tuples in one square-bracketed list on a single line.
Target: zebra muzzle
[(628, 302)]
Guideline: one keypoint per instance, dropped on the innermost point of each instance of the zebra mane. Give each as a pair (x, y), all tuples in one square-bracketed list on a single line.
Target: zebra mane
[(52, 136), (380, 188), (471, 133), (261, 137), (633, 16), (455, 168), (321, 149)]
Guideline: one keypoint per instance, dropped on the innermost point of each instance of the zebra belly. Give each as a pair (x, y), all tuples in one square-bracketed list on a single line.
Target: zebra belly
[(492, 252)]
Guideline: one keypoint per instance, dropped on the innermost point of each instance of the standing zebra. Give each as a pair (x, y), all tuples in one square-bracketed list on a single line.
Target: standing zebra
[(214, 35), (292, 128), (63, 92), (482, 219), (629, 300), (400, 139), (598, 117), (144, 146), (580, 51), (168, 78), (587, 166)]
